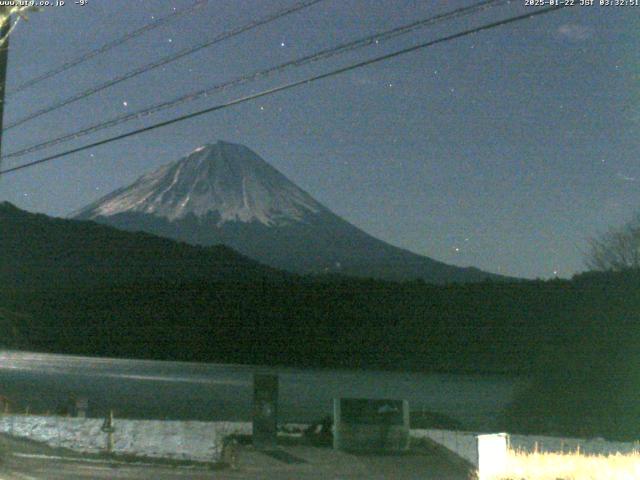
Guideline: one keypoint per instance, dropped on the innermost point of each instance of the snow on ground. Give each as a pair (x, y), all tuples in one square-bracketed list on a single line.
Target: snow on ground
[(182, 440)]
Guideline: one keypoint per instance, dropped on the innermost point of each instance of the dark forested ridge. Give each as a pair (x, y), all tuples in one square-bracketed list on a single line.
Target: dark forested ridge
[(475, 328), (78, 287), (43, 252), (92, 289)]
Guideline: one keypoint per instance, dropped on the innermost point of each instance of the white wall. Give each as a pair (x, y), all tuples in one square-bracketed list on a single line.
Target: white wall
[(198, 441), (493, 450)]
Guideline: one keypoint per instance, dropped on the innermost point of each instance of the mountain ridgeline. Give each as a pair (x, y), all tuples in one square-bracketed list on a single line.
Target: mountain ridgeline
[(225, 193), (40, 252)]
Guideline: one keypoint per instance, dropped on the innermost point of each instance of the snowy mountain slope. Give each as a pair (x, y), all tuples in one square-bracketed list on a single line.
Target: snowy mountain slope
[(225, 193), (224, 179)]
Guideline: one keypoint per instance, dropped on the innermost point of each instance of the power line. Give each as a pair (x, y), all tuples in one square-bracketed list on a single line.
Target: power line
[(164, 61), (287, 87), (106, 47), (321, 55)]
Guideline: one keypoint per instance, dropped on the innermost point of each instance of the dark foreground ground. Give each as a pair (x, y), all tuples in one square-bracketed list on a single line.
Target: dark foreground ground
[(26, 461)]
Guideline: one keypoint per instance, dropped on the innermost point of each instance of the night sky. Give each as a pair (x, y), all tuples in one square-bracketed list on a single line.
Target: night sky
[(504, 150)]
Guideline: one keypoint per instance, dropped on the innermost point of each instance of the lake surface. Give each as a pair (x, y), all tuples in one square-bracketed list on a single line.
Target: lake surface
[(204, 391)]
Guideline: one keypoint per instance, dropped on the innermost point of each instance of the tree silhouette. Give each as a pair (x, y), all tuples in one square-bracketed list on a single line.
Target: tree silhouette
[(617, 249)]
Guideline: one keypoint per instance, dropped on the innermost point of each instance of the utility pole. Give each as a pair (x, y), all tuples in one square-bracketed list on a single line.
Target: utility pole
[(4, 58)]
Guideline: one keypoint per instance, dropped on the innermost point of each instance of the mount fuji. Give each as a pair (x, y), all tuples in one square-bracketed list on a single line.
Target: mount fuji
[(225, 193)]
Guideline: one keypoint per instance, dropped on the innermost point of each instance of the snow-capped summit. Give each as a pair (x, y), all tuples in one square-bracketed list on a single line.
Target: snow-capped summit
[(227, 180), (224, 193)]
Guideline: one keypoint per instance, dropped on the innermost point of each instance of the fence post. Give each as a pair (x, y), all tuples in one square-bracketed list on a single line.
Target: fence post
[(108, 428)]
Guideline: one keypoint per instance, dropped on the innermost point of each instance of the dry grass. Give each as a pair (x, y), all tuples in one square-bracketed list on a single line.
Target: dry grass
[(571, 466)]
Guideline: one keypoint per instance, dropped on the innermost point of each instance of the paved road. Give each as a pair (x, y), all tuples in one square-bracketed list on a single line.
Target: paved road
[(301, 463), (63, 470)]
